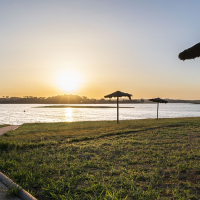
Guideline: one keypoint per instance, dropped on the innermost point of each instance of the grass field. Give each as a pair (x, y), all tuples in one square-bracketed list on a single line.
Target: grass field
[(136, 159)]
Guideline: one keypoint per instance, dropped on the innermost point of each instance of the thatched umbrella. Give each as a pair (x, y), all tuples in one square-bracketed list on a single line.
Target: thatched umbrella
[(118, 94), (191, 53), (158, 100)]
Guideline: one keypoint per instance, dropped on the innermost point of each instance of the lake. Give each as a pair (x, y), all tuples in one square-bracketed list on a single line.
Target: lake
[(17, 114)]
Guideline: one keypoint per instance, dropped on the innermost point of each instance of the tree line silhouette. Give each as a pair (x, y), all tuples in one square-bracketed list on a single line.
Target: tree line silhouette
[(59, 99), (76, 99)]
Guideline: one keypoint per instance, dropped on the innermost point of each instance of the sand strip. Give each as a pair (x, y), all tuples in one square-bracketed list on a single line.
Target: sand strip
[(8, 128)]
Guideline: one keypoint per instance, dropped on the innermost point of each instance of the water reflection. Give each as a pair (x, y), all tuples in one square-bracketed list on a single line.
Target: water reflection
[(14, 113), (68, 114)]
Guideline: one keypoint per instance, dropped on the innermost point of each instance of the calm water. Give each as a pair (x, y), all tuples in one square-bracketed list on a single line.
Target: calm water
[(14, 113)]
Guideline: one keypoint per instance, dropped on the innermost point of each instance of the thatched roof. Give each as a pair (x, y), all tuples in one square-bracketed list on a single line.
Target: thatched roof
[(158, 100), (191, 53), (118, 94)]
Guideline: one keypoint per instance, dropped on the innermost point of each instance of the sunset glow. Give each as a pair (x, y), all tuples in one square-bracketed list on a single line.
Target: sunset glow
[(93, 48), (68, 81)]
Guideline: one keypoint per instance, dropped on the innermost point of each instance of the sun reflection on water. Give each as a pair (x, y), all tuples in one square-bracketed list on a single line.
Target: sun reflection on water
[(68, 114)]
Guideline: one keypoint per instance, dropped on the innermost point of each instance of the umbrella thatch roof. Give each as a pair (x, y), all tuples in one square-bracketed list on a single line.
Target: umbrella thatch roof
[(158, 100), (191, 53), (118, 94)]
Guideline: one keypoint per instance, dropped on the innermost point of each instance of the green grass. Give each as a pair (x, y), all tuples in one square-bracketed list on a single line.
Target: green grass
[(13, 191), (136, 159)]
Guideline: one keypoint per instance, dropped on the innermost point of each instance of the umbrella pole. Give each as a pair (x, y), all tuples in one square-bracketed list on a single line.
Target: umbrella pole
[(118, 110), (157, 109)]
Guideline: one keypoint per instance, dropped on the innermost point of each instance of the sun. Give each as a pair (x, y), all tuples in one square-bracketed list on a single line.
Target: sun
[(68, 81)]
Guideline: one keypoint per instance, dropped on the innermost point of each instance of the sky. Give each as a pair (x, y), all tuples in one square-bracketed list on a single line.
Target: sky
[(99, 47)]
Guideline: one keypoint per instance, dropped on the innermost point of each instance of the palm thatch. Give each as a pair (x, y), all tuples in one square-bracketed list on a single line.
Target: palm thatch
[(158, 100), (118, 94), (191, 53)]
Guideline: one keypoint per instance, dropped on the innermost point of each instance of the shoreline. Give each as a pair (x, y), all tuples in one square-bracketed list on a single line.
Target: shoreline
[(64, 106), (94, 121)]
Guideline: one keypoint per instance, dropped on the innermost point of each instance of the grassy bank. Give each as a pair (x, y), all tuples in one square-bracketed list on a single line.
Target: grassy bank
[(139, 159)]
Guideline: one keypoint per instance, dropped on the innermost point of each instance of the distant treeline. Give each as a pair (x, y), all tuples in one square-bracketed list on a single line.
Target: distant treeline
[(60, 99), (75, 99)]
